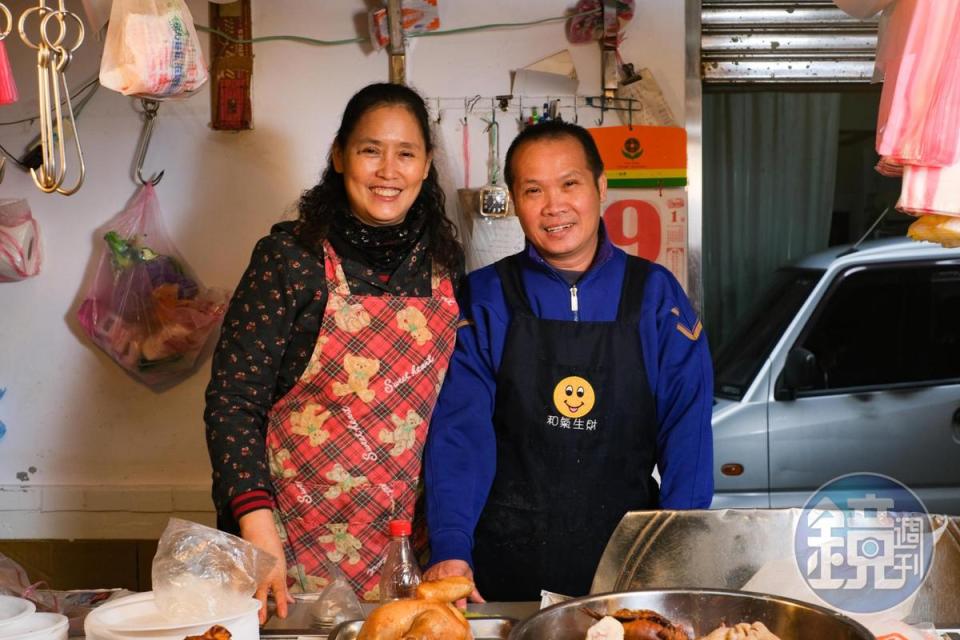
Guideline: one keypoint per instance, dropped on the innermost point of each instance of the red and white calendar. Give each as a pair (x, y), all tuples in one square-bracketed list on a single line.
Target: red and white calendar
[(651, 224)]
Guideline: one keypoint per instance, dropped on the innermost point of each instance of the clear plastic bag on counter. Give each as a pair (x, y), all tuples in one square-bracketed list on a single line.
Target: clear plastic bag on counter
[(201, 573), (337, 603), (152, 50), (73, 604), (21, 254), (145, 308)]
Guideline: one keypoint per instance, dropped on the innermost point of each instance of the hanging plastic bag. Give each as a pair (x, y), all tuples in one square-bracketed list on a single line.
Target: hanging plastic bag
[(145, 308), (21, 254), (8, 88), (201, 573), (152, 50), (417, 16)]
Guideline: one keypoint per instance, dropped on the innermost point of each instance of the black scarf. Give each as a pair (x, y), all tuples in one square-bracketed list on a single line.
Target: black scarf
[(383, 248)]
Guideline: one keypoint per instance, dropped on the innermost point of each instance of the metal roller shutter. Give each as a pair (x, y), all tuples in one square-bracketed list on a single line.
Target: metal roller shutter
[(776, 42)]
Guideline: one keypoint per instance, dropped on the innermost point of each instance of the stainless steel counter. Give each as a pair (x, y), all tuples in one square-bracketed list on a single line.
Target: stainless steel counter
[(298, 623)]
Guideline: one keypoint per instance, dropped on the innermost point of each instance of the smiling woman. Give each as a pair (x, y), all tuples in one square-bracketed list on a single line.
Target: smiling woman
[(384, 163), (332, 353)]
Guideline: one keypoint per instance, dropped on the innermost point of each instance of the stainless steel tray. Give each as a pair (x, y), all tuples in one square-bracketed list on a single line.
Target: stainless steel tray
[(483, 629), (699, 611), (723, 549)]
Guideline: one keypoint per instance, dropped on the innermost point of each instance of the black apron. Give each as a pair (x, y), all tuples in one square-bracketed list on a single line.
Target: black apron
[(566, 472)]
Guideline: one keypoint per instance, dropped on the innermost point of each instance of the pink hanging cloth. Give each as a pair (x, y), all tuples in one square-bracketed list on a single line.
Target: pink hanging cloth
[(8, 88), (920, 58), (929, 189), (918, 129)]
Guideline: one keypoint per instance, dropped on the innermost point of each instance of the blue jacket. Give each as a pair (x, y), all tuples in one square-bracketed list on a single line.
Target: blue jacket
[(460, 455)]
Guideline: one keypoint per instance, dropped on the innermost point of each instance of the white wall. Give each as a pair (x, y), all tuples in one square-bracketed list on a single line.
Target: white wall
[(111, 457)]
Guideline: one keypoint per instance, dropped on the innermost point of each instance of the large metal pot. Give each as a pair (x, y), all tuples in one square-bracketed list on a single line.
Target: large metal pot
[(700, 611)]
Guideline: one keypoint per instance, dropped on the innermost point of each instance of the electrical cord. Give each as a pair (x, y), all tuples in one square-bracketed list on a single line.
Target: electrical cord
[(500, 25), (301, 39), (316, 42), (16, 160), (93, 81), (442, 32)]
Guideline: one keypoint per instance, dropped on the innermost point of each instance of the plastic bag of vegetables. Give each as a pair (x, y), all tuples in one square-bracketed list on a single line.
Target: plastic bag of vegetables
[(145, 307)]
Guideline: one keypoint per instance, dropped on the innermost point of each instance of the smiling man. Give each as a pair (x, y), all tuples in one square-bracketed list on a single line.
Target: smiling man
[(577, 370)]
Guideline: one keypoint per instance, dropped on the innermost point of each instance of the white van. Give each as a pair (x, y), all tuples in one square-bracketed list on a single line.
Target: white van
[(850, 362)]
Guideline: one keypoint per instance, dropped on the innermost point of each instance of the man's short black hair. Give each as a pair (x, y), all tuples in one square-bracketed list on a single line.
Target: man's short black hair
[(552, 130)]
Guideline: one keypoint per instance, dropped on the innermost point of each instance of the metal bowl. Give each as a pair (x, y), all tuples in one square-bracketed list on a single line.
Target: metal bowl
[(699, 611)]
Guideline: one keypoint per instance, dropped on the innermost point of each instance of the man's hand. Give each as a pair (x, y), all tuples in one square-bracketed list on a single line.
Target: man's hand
[(258, 528), (449, 568)]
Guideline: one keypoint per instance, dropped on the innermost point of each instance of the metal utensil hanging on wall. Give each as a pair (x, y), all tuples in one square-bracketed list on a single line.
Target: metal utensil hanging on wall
[(53, 58), (494, 196), (150, 109)]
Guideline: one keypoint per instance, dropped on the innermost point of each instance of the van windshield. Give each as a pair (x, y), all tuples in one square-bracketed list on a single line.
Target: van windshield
[(740, 357)]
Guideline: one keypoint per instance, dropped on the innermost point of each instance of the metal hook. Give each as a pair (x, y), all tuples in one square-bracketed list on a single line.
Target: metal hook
[(76, 134), (603, 110), (50, 175), (439, 115), (9, 17), (60, 15), (473, 102), (150, 108), (52, 61), (630, 113), (63, 57), (40, 10), (576, 115)]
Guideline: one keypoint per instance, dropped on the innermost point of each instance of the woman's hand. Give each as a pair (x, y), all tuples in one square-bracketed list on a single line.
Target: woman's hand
[(258, 528), (449, 568)]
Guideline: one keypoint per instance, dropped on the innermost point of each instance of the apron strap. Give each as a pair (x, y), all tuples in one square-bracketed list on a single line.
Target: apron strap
[(631, 293), (509, 270)]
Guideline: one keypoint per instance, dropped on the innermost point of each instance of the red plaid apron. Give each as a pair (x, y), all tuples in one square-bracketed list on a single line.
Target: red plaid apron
[(345, 443)]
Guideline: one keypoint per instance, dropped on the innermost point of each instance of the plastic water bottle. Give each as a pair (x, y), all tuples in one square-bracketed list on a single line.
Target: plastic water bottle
[(400, 574)]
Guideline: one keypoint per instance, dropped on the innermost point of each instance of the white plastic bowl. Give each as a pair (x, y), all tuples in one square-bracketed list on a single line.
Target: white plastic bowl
[(13, 609), (37, 626), (136, 617)]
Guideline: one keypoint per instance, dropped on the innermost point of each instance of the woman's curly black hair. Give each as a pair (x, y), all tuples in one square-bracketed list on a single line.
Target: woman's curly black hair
[(319, 203)]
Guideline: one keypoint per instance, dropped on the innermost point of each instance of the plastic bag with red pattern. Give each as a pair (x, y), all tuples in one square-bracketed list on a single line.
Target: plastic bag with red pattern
[(21, 254)]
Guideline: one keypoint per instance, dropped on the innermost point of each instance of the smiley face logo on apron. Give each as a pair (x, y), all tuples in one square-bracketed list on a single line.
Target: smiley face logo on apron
[(574, 397)]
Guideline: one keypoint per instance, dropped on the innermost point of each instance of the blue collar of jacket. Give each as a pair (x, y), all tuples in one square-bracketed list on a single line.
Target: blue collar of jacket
[(605, 251)]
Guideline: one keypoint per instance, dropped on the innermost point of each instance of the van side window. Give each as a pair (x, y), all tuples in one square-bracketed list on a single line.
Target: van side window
[(886, 326)]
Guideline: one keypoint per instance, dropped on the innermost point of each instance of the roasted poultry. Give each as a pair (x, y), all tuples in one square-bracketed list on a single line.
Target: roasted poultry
[(216, 632), (429, 616), (643, 624)]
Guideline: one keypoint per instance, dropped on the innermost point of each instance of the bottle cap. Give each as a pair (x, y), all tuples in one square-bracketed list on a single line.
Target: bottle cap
[(400, 528)]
